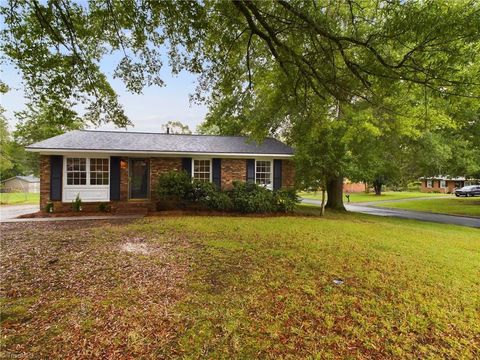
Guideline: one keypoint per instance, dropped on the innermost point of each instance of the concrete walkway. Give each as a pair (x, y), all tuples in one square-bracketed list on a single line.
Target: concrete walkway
[(367, 208), (8, 212)]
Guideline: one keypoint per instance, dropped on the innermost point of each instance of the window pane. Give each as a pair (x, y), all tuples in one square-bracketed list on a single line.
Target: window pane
[(76, 171), (263, 172), (98, 171), (201, 170)]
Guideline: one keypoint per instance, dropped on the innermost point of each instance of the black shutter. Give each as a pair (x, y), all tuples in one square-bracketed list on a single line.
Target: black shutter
[(277, 174), (56, 170), (217, 172), (251, 170), (187, 165), (114, 178)]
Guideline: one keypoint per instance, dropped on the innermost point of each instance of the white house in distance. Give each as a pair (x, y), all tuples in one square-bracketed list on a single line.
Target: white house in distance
[(26, 184)]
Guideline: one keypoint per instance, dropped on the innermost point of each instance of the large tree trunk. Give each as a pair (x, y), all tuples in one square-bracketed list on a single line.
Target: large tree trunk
[(377, 185), (335, 193)]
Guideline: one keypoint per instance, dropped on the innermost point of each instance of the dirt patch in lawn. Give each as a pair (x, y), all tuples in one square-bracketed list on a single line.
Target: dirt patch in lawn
[(84, 290)]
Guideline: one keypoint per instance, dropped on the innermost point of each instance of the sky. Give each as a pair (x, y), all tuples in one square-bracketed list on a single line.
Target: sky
[(147, 111)]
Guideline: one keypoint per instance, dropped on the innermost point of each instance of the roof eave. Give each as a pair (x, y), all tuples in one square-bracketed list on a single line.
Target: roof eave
[(50, 151)]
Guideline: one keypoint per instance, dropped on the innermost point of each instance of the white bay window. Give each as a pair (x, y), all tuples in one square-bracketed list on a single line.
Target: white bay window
[(87, 177)]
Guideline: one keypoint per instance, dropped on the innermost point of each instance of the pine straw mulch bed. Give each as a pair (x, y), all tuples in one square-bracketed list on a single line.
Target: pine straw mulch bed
[(90, 289)]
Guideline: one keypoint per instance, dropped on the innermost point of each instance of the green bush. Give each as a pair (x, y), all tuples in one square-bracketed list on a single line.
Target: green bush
[(178, 188), (286, 200), (175, 185), (218, 200), (104, 207), (251, 198), (201, 191)]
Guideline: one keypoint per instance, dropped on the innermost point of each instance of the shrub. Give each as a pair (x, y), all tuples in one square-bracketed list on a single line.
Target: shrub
[(414, 186), (179, 188), (104, 207), (77, 203), (251, 198), (201, 191), (174, 185), (286, 200), (218, 201), (49, 207)]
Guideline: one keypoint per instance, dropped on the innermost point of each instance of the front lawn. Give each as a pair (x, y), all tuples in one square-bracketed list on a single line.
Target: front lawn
[(364, 197), (453, 206), (19, 198), (240, 287)]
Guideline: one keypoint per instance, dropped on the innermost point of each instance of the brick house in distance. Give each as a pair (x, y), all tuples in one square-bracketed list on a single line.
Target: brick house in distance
[(122, 168), (444, 184)]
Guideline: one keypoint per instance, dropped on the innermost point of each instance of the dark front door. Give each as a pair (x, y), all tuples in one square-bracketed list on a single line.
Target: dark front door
[(139, 175)]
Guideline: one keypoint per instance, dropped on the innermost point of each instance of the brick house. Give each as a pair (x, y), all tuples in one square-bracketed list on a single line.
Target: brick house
[(443, 184), (122, 168)]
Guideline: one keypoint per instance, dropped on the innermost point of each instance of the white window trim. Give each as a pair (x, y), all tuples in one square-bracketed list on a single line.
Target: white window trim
[(85, 190), (444, 182), (429, 184), (87, 167), (202, 158), (270, 187)]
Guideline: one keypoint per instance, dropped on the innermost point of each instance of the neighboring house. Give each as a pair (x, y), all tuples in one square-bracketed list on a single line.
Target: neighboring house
[(445, 184), (122, 168), (353, 187), (26, 184)]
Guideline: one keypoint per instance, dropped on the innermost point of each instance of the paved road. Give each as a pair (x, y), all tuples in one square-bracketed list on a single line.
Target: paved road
[(407, 214), (12, 211)]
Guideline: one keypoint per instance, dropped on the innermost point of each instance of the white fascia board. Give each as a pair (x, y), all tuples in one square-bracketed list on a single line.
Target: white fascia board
[(153, 153)]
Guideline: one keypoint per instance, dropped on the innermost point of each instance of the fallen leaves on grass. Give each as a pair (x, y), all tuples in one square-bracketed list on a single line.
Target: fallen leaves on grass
[(68, 292)]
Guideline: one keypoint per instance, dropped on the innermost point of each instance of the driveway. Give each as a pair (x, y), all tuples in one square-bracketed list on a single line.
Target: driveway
[(8, 212), (369, 208)]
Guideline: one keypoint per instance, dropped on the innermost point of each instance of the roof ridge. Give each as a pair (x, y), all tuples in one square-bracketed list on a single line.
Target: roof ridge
[(159, 133)]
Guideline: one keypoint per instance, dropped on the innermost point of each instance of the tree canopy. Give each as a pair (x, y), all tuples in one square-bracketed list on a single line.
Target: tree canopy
[(326, 76)]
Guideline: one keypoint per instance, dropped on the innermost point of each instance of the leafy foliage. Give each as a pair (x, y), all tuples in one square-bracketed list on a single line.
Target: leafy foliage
[(322, 75), (179, 188), (174, 185), (176, 127)]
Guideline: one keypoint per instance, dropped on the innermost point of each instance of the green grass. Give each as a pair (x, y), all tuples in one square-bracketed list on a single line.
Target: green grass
[(454, 206), (363, 197), (19, 198), (242, 287)]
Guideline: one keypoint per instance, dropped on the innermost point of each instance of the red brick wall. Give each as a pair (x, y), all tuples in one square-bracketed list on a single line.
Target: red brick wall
[(44, 180), (233, 170), (436, 186)]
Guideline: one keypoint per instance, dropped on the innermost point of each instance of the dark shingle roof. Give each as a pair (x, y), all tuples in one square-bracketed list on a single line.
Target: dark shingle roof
[(161, 143)]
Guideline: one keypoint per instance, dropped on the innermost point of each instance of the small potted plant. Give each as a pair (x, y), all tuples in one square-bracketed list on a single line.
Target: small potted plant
[(77, 204), (49, 207)]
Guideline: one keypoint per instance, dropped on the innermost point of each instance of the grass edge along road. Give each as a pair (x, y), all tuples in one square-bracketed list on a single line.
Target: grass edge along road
[(452, 206), (370, 197), (241, 287)]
